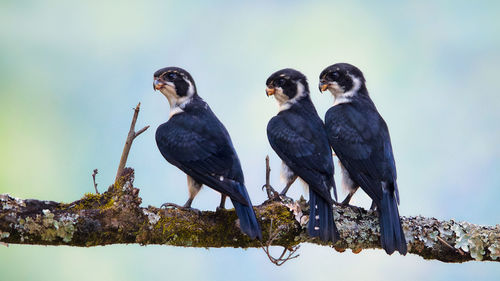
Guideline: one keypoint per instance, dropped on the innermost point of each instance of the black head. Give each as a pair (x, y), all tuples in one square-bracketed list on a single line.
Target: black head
[(341, 78), (174, 83), (287, 84)]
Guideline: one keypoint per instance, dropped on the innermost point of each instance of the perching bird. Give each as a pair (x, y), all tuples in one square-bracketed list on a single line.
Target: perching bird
[(360, 139), (298, 136), (195, 141)]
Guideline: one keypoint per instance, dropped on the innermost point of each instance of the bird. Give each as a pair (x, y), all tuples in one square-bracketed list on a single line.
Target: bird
[(195, 141), (298, 136), (360, 138)]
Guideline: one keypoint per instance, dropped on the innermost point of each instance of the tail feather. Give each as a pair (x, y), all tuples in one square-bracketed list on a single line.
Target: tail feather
[(391, 231), (246, 214), (321, 221)]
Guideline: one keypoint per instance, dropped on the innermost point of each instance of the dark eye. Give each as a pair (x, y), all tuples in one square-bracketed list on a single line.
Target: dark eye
[(171, 76), (333, 76), (280, 82)]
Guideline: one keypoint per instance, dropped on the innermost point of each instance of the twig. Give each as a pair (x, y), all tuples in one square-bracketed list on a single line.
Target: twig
[(449, 246), (132, 134), (281, 259), (271, 193), (93, 178)]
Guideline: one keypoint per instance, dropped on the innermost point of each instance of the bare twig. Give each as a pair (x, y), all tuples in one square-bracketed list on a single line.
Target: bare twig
[(271, 193), (288, 252), (132, 134), (449, 246), (93, 178)]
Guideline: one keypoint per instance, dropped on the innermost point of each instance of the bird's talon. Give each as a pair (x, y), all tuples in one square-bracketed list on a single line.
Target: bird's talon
[(182, 208), (285, 199), (173, 205)]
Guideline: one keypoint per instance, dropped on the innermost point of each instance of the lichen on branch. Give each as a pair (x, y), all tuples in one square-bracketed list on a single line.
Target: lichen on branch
[(116, 217)]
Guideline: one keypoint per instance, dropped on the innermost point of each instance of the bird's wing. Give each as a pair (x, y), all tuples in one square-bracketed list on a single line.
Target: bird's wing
[(200, 146), (305, 150), (361, 141)]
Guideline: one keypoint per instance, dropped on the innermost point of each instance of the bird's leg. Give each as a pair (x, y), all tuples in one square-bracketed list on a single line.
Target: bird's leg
[(222, 203), (373, 207), (349, 185), (282, 195), (289, 176), (348, 199), (288, 184), (193, 188), (188, 203)]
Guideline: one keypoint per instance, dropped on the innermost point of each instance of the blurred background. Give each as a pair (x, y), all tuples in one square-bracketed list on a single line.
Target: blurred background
[(71, 72)]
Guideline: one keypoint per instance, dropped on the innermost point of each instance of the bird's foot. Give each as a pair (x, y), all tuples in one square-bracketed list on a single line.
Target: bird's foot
[(285, 199), (220, 209), (272, 194), (357, 209), (183, 208)]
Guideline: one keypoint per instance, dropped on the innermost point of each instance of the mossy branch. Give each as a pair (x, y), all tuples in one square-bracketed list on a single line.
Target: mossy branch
[(116, 217)]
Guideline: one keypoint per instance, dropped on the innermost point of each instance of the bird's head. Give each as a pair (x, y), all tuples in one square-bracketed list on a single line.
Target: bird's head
[(287, 86), (343, 80), (174, 83)]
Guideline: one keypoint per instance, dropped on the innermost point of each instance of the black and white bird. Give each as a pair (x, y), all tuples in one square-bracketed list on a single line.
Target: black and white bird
[(195, 141), (298, 136), (360, 139)]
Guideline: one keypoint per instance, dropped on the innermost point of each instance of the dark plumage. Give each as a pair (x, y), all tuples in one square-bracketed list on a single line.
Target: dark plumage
[(298, 136), (195, 141), (360, 139)]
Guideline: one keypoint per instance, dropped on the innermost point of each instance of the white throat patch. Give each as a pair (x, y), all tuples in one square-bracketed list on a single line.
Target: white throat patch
[(284, 102), (344, 97), (177, 104)]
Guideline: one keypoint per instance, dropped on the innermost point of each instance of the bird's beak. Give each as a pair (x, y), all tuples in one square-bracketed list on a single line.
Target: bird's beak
[(157, 85), (270, 91), (323, 86)]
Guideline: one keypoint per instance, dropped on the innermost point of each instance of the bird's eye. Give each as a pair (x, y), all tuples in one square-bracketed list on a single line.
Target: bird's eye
[(280, 82), (333, 75), (171, 76)]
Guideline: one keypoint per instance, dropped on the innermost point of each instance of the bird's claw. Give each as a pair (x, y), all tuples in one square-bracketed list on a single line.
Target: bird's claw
[(173, 205), (272, 194), (183, 208), (357, 209), (285, 199)]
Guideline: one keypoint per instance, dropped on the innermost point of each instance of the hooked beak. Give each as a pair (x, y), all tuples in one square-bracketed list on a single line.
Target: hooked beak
[(323, 86), (157, 85), (270, 91)]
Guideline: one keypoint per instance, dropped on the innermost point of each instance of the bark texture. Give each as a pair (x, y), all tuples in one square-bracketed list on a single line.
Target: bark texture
[(116, 217)]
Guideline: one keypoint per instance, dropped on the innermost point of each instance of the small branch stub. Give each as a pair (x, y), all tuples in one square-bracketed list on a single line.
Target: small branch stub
[(93, 178)]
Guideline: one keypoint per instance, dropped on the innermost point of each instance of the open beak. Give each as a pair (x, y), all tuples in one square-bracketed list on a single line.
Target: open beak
[(270, 91), (157, 85)]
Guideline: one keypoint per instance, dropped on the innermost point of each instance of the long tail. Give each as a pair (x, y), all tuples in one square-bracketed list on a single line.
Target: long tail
[(321, 221), (246, 214), (391, 232)]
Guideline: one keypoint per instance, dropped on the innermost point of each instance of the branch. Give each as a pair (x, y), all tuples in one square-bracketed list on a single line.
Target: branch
[(116, 217), (132, 134)]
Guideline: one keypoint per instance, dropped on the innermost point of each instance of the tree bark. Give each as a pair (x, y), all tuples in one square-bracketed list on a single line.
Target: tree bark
[(116, 217)]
